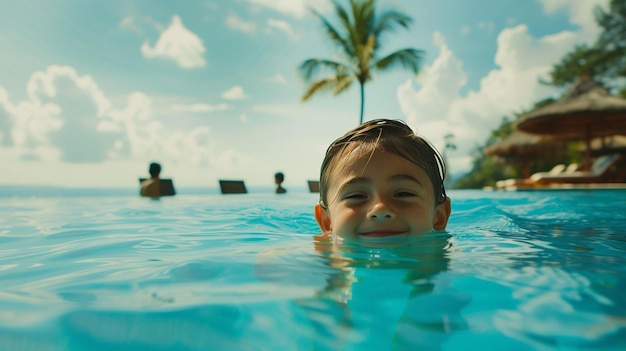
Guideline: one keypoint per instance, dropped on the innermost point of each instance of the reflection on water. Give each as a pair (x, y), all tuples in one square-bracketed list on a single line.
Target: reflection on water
[(521, 271), (392, 296)]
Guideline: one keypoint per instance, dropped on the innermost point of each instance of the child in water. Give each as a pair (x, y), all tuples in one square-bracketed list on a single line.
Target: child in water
[(381, 182), (380, 185)]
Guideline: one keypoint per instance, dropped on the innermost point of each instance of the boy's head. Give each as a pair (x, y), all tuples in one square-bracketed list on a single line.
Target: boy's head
[(155, 169), (382, 163), (279, 177)]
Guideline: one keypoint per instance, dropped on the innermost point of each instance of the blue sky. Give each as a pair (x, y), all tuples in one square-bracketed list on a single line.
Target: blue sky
[(92, 91)]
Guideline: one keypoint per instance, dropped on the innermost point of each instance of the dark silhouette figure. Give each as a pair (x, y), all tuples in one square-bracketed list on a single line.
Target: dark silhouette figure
[(233, 186), (155, 186), (279, 178)]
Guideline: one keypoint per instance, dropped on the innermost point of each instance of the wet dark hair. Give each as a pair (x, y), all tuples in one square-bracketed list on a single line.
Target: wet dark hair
[(386, 135), (154, 169), (280, 176)]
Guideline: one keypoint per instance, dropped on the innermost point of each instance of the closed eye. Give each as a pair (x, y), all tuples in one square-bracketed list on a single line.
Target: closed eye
[(355, 196), (405, 194)]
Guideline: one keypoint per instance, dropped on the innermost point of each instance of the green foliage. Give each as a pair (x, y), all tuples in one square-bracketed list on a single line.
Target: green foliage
[(605, 60), (485, 171), (582, 61), (359, 37)]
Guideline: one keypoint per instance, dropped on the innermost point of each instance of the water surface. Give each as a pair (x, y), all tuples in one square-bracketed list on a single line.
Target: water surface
[(514, 271)]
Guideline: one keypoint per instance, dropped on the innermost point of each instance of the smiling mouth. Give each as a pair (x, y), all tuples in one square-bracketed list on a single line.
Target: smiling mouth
[(382, 234)]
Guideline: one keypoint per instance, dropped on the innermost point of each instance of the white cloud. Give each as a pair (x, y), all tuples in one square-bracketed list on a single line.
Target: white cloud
[(127, 22), (297, 8), (427, 109), (67, 118), (277, 78), (234, 93), (580, 13), (438, 108), (149, 139), (63, 118), (283, 26), (5, 123), (178, 44), (200, 108), (43, 85), (234, 22)]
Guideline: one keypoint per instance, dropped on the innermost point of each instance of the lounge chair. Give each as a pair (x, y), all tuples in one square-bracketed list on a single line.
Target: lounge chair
[(558, 170), (233, 187), (513, 182), (314, 186), (605, 169)]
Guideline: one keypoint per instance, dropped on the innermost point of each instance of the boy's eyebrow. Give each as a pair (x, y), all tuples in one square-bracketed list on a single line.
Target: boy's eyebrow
[(394, 178), (403, 177), (355, 181)]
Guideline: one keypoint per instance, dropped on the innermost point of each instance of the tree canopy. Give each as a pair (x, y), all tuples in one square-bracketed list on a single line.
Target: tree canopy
[(605, 60)]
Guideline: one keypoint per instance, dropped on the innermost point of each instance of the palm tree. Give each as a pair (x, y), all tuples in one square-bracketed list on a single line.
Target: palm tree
[(359, 38)]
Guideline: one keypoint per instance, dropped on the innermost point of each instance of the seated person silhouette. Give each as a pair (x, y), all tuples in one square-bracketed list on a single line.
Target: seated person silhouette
[(279, 177), (155, 186)]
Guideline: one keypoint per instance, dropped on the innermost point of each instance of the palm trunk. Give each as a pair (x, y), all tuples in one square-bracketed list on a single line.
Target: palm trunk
[(362, 100)]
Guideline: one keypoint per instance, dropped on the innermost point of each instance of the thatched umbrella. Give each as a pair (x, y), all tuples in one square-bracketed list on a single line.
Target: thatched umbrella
[(585, 112), (523, 146)]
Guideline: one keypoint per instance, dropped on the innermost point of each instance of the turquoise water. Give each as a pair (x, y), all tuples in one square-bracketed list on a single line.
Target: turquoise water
[(514, 271)]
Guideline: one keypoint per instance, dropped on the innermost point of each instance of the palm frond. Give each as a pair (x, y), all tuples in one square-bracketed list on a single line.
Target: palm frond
[(389, 20), (311, 67), (338, 83), (364, 15), (343, 82), (342, 14), (347, 43), (331, 31), (319, 85), (407, 58)]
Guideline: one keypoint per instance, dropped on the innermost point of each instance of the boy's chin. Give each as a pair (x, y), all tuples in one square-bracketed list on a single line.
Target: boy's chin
[(379, 241)]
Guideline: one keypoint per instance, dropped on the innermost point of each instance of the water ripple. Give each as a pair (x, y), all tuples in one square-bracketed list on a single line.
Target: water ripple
[(542, 270)]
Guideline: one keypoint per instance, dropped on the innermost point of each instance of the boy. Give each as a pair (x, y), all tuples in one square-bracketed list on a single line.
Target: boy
[(152, 187), (279, 178), (381, 182)]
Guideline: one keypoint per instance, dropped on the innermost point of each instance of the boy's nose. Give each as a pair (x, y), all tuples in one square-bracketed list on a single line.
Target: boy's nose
[(381, 211)]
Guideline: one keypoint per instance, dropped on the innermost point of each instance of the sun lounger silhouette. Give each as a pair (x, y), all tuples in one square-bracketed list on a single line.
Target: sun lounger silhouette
[(558, 170), (603, 170), (512, 182), (233, 187), (314, 186)]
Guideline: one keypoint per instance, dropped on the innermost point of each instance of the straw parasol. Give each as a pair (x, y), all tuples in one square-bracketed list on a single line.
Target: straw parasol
[(585, 112), (525, 146)]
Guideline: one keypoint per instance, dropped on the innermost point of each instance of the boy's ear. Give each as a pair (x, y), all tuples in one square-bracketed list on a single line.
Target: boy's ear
[(322, 219), (442, 213)]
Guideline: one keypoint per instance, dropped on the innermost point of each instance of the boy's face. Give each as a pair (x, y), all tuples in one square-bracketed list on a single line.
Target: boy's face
[(385, 197)]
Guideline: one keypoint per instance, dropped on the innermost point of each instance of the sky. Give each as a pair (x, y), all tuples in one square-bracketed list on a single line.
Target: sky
[(93, 91)]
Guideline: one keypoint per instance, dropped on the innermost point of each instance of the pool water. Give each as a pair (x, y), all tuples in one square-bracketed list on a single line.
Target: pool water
[(514, 271)]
